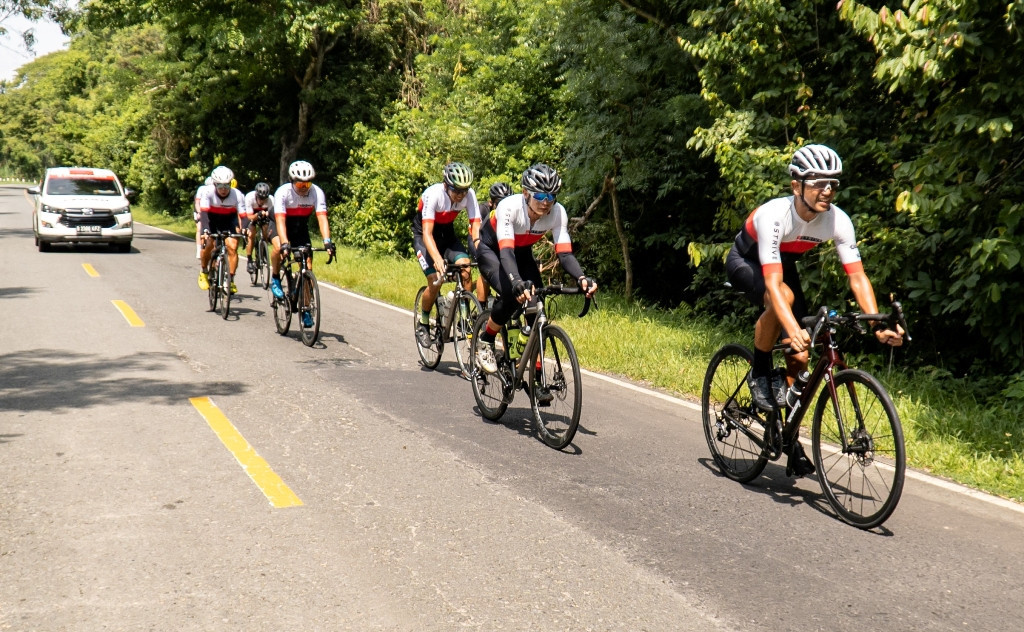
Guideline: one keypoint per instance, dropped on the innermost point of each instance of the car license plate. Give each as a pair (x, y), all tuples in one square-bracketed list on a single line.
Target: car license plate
[(89, 229)]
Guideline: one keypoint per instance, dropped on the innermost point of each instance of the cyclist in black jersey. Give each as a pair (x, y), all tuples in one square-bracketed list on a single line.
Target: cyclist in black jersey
[(498, 192)]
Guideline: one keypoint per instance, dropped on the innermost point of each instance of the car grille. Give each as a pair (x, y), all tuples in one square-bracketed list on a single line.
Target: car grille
[(74, 217)]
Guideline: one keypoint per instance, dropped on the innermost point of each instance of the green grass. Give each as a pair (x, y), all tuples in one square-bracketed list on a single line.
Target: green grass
[(950, 431)]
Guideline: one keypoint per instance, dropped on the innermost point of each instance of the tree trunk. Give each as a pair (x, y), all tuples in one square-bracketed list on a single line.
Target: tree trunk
[(627, 263)]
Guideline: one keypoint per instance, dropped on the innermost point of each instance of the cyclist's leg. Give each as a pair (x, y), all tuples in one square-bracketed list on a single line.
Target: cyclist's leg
[(249, 230), (427, 265), (746, 276)]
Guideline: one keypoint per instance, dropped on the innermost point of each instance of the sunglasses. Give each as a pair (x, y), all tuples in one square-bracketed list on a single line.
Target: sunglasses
[(820, 184), (303, 185), (457, 191), (543, 197)]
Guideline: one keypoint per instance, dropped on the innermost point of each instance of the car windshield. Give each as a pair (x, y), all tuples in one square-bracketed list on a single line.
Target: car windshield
[(82, 186)]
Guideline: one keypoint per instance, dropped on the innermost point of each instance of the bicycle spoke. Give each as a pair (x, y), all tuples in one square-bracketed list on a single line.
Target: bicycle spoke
[(556, 412), (733, 429)]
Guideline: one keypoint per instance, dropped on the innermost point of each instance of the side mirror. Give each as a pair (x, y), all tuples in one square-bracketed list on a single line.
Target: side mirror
[(130, 194), (34, 190)]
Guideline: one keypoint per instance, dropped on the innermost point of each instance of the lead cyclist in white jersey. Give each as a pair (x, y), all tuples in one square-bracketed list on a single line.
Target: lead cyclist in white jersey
[(762, 265)]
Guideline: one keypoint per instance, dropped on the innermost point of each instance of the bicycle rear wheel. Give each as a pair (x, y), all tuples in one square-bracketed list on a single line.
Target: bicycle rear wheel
[(213, 293), (732, 426), (858, 448), (466, 313), (491, 392), (224, 283), (309, 303), (556, 420), (430, 355), (283, 307)]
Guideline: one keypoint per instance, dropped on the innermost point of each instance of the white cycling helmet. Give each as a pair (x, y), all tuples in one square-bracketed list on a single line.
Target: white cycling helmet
[(222, 175), (301, 170), (458, 175), (817, 159)]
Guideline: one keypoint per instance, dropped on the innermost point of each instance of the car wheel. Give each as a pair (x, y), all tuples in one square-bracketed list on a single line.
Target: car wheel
[(44, 246), (124, 246)]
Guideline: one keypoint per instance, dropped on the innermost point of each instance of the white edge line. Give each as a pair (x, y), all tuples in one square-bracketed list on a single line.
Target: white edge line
[(914, 474)]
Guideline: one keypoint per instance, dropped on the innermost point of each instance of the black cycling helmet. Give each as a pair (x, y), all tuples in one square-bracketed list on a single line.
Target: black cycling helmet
[(500, 191), (458, 175), (262, 190), (541, 178)]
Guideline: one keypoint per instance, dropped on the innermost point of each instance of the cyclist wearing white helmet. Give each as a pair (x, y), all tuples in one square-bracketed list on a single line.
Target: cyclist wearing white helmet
[(433, 234), (505, 252), (762, 265), (294, 204), (259, 206), (220, 207)]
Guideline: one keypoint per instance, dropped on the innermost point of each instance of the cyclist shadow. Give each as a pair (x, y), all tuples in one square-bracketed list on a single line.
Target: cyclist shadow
[(446, 367), (783, 489), (520, 420)]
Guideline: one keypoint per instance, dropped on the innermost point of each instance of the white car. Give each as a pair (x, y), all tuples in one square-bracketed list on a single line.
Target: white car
[(82, 205)]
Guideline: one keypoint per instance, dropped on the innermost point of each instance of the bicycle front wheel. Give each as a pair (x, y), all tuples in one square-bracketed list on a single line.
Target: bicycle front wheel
[(734, 429), (466, 313), (213, 293), (264, 263), (492, 391), (254, 276), (858, 449), (557, 399), (429, 350), (283, 307), (309, 308), (224, 283)]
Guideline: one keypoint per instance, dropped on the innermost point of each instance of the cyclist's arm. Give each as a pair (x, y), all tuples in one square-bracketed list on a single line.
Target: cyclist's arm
[(864, 292), (325, 228), (282, 226)]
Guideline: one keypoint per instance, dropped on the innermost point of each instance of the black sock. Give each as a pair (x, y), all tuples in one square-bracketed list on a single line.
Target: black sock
[(762, 366)]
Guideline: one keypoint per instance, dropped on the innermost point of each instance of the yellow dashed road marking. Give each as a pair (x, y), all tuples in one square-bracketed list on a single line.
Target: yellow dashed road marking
[(129, 314), (91, 271), (279, 494)]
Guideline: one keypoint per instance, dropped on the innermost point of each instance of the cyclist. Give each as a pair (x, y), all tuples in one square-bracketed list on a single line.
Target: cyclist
[(220, 206), (293, 204), (762, 265), (434, 238), (505, 252), (195, 213), (258, 206), (498, 192)]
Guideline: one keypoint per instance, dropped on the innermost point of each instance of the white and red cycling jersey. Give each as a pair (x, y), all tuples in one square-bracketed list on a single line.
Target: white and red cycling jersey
[(210, 202), (510, 221), (253, 205), (778, 232), (292, 205), (435, 206)]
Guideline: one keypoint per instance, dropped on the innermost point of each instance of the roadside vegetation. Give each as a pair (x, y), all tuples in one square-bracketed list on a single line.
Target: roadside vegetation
[(950, 431)]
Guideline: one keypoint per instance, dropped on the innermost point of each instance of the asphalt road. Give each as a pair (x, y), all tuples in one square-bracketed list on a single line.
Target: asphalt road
[(390, 504)]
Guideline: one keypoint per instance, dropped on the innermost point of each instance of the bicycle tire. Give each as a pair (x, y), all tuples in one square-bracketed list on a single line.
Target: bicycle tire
[(489, 390), (264, 263), (309, 299), (254, 276), (224, 281), (557, 421), (732, 426), (211, 281), (283, 307), (466, 314), (430, 356), (863, 478)]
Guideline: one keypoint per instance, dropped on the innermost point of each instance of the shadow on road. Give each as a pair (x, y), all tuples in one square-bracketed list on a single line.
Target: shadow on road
[(51, 381)]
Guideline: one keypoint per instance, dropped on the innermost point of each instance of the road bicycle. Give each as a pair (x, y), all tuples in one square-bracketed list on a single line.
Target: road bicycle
[(260, 255), (219, 274), (301, 295), (856, 436), (451, 320), (547, 368)]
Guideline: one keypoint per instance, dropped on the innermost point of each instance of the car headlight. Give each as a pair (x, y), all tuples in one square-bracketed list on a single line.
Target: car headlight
[(46, 208), (122, 210)]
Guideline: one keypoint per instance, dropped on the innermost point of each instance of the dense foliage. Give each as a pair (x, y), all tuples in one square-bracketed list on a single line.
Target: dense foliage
[(670, 120)]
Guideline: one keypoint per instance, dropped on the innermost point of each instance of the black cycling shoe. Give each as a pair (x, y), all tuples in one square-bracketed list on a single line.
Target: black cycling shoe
[(761, 393), (798, 464), (779, 386), (423, 335), (250, 266)]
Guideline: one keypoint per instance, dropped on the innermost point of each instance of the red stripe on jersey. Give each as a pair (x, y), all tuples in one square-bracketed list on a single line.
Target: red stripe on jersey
[(298, 211), (563, 248), (445, 217), (853, 268), (221, 210), (527, 240), (771, 268), (506, 243), (419, 206), (798, 247), (749, 225)]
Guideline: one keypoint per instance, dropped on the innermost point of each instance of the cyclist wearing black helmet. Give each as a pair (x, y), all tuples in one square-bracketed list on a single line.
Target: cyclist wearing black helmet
[(505, 251), (762, 265), (258, 206), (433, 234)]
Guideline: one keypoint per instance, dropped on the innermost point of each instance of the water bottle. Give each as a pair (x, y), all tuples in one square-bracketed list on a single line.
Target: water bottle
[(793, 394), (442, 306), (519, 343)]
